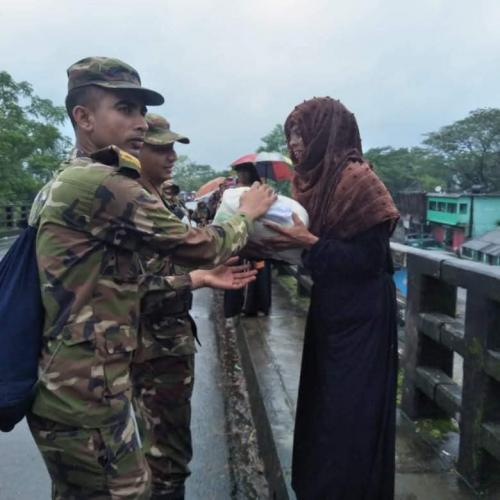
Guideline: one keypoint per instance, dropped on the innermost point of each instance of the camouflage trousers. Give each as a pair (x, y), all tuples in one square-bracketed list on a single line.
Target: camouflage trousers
[(93, 464), (162, 401)]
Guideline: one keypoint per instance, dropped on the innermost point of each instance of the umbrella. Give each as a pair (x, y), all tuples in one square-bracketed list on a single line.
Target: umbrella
[(209, 187), (269, 165)]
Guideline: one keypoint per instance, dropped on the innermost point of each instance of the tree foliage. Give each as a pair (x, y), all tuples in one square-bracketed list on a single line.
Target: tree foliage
[(274, 141), (31, 145), (408, 169), (470, 149), (189, 175)]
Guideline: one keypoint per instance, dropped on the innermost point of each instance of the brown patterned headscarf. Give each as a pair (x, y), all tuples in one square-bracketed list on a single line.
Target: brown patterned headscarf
[(333, 182)]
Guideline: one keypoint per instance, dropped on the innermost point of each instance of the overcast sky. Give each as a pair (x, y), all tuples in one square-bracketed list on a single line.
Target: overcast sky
[(231, 69)]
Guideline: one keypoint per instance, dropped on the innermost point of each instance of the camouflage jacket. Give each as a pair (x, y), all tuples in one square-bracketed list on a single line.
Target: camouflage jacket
[(165, 325), (94, 227)]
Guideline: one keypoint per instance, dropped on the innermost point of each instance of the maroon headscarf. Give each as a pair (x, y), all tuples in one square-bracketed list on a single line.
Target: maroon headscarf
[(340, 191)]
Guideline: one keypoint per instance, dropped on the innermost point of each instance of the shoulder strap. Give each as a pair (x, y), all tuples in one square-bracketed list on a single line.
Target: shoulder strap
[(116, 157)]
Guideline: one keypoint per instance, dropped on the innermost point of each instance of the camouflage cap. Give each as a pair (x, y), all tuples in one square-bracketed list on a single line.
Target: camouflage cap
[(171, 186), (159, 133), (110, 73)]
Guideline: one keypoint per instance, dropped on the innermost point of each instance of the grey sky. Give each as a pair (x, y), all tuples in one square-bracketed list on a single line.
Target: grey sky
[(230, 69)]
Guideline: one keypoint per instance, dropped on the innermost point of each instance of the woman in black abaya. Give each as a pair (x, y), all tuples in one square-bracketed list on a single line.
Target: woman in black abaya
[(345, 421)]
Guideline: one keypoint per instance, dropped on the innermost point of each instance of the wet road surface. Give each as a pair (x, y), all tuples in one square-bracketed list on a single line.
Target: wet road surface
[(22, 472)]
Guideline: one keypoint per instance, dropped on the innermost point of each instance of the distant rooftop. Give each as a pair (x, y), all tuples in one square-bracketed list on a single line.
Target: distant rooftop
[(463, 195), (488, 243)]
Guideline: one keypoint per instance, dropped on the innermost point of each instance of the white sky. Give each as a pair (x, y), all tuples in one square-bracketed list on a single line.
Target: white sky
[(231, 69)]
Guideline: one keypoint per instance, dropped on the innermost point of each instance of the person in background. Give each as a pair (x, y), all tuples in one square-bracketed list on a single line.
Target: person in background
[(214, 201), (344, 441), (171, 196), (163, 365), (201, 215), (246, 174), (256, 297)]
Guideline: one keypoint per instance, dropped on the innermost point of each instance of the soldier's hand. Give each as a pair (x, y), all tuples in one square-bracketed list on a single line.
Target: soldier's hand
[(256, 201), (228, 276)]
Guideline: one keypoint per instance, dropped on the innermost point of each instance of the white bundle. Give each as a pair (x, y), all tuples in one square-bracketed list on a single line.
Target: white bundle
[(280, 212)]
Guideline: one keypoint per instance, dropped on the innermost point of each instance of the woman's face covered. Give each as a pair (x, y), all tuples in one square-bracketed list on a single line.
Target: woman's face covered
[(296, 145)]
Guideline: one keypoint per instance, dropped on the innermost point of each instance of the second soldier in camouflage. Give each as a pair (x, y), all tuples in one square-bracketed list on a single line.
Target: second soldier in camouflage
[(163, 369)]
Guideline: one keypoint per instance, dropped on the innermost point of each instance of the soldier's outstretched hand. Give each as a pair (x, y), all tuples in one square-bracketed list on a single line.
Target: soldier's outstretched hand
[(228, 276)]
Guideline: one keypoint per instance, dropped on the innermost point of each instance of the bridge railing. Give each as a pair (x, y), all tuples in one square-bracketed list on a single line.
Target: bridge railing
[(13, 216), (452, 308)]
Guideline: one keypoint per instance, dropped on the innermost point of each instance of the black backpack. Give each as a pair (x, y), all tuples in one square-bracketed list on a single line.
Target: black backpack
[(21, 324)]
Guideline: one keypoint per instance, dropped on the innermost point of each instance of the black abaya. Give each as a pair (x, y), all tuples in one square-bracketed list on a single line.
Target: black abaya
[(344, 442), (254, 298)]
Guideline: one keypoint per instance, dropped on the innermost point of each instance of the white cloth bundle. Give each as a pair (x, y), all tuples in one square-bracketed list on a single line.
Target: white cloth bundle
[(280, 212)]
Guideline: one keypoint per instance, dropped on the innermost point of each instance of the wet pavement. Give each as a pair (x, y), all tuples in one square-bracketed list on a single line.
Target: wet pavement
[(22, 472), (5, 243), (210, 479), (274, 347)]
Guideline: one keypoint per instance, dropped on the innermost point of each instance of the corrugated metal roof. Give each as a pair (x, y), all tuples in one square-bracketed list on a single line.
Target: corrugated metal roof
[(495, 251), (463, 195), (477, 245), (491, 237)]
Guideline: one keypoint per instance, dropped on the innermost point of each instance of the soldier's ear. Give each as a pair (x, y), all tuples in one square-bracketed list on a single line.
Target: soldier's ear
[(83, 117)]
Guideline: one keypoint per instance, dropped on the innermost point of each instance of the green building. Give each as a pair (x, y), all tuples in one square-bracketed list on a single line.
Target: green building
[(455, 218)]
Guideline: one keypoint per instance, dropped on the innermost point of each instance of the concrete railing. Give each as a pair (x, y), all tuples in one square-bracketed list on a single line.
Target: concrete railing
[(438, 326), (439, 323), (13, 216)]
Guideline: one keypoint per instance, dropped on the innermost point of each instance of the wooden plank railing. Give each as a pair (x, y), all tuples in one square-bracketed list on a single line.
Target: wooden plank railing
[(13, 216)]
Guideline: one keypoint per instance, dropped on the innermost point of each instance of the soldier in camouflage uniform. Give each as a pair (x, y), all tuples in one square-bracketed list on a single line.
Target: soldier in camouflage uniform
[(95, 227), (163, 370), (171, 196)]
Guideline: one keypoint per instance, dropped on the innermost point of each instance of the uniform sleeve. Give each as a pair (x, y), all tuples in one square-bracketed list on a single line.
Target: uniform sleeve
[(126, 215), (174, 282), (330, 259)]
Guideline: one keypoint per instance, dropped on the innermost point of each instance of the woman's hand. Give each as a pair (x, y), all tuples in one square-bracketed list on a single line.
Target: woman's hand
[(296, 236), (256, 251), (228, 276)]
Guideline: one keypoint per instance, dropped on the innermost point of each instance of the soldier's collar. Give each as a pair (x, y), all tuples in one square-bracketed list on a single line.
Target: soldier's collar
[(116, 157)]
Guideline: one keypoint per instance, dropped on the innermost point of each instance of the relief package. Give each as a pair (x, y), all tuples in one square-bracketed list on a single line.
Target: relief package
[(280, 212)]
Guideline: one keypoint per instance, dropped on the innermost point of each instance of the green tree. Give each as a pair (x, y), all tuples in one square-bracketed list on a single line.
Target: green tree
[(274, 141), (31, 145), (471, 148), (190, 175), (408, 169)]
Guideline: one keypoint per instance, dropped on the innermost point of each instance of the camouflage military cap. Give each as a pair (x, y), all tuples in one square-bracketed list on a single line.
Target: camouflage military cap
[(159, 133), (171, 186), (110, 73)]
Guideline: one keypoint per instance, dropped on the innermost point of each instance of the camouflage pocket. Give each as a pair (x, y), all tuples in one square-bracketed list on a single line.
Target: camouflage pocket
[(77, 333), (73, 368), (120, 344), (176, 340)]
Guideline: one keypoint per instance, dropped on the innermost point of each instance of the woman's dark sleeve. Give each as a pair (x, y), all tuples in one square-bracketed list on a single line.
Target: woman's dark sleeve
[(361, 257)]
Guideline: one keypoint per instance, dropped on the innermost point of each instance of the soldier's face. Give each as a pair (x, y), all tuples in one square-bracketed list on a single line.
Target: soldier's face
[(157, 162), (118, 119)]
